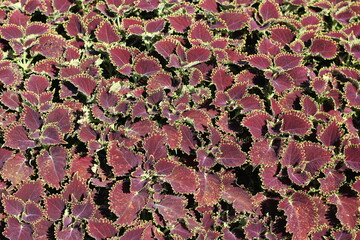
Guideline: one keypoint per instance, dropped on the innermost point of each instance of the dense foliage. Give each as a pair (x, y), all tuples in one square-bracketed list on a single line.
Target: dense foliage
[(169, 119)]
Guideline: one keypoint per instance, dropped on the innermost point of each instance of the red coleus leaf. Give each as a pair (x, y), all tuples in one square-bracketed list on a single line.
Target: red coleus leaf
[(299, 176), (199, 118), (10, 99), (180, 22), (11, 31), (54, 206), (82, 166), (51, 46), (270, 180), (222, 78), (15, 230), (165, 47), (37, 83), (209, 5), (171, 208), (18, 18), (74, 26), (331, 134), (9, 75), (263, 153), (52, 165), (106, 32), (234, 20), (12, 205), (325, 47), (347, 210), (200, 31), (187, 139), (32, 212), (147, 66), (282, 82), (269, 10), (259, 61), (17, 169), (122, 159), (76, 189), (198, 54), (281, 35), (183, 179), (36, 28), (60, 116), (83, 210), (309, 106), (62, 5), (155, 147), (254, 229), (287, 61), (30, 191), (295, 122), (17, 137), (126, 205), (148, 5), (255, 122), (231, 155), (293, 154), (209, 189), (32, 119), (4, 156), (301, 215), (352, 95), (69, 233), (120, 56), (85, 83), (107, 99), (139, 110), (332, 180), (316, 156), (101, 228), (41, 228), (155, 25), (352, 156), (87, 133), (51, 135), (240, 199), (172, 136), (266, 46)]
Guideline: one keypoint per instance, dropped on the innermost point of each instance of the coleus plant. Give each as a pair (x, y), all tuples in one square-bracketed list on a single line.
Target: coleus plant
[(209, 119)]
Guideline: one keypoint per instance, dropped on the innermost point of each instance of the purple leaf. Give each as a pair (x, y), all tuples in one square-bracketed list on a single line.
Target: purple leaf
[(352, 156), (296, 122), (17, 231), (183, 180), (259, 61), (231, 155), (17, 137), (301, 215), (52, 165), (323, 46), (255, 122), (269, 10), (147, 66), (101, 229), (126, 205)]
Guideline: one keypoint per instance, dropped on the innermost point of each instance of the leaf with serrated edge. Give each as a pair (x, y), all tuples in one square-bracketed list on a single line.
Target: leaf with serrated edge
[(52, 165), (101, 228), (183, 179), (210, 189), (126, 205), (301, 215)]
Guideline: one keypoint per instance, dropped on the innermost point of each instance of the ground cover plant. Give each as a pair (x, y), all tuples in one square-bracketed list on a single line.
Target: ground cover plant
[(169, 119)]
